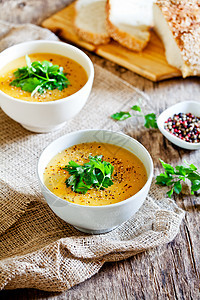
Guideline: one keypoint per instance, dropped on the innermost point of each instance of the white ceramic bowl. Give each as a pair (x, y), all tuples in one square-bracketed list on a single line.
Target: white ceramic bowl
[(46, 116), (181, 107), (95, 219)]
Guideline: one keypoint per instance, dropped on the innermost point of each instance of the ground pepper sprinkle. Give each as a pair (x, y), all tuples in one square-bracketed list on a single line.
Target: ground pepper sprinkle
[(185, 126)]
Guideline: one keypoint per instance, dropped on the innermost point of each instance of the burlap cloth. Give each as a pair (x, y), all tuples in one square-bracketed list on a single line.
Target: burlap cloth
[(39, 250)]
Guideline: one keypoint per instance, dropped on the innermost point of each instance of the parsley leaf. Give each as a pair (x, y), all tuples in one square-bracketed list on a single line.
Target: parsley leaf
[(121, 116), (21, 73), (29, 84), (173, 176), (39, 77), (94, 174), (150, 119), (170, 193), (136, 108)]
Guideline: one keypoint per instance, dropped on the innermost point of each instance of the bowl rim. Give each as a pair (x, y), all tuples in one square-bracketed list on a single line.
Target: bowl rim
[(69, 46), (174, 139), (123, 202)]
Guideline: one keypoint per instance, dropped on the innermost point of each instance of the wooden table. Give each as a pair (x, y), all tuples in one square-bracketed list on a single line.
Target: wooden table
[(167, 272)]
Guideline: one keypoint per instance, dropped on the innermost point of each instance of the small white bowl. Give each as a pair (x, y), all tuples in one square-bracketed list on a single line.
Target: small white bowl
[(46, 116), (181, 107), (95, 219)]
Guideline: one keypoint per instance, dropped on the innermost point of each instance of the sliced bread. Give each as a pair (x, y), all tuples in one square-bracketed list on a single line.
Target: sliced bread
[(178, 25), (129, 22), (90, 21)]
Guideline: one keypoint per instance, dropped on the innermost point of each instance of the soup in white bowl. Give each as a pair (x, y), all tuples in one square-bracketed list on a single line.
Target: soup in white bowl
[(75, 74), (128, 175), (96, 218), (50, 115)]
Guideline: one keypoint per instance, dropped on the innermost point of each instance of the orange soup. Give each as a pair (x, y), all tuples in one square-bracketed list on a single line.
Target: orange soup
[(74, 72), (129, 174)]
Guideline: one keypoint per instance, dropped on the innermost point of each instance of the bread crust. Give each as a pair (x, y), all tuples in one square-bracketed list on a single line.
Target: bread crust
[(183, 18), (124, 38), (90, 37), (94, 38)]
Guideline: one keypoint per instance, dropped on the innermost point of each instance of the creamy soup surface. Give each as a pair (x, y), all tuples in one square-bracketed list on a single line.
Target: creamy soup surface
[(129, 174), (75, 73)]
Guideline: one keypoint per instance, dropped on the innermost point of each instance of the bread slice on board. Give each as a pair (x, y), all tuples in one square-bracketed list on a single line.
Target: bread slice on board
[(129, 22), (178, 25), (90, 21)]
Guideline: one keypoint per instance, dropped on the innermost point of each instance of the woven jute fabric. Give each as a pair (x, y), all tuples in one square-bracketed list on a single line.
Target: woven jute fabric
[(38, 249)]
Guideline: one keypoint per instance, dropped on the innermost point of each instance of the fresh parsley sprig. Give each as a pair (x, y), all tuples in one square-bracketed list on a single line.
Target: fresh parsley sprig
[(121, 116), (150, 119), (39, 77), (173, 177), (94, 174)]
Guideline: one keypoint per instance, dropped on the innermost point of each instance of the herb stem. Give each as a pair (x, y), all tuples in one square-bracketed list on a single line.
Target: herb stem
[(47, 76), (36, 75)]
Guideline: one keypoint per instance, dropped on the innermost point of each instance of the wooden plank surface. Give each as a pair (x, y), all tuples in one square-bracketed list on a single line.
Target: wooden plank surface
[(150, 63)]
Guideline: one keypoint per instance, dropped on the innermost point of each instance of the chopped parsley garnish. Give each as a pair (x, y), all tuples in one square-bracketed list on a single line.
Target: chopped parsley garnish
[(93, 174), (39, 77), (172, 177), (150, 119)]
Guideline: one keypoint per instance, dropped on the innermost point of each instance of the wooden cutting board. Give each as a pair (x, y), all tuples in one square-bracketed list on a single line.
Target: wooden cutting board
[(150, 63)]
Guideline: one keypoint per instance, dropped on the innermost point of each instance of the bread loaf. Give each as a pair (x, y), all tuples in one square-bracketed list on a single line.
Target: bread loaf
[(177, 22), (90, 21), (129, 22)]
